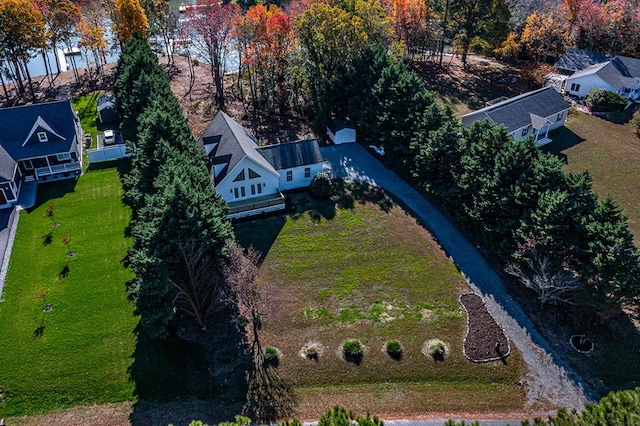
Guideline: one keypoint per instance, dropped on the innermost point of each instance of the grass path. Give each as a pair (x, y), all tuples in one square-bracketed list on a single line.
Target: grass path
[(78, 352)]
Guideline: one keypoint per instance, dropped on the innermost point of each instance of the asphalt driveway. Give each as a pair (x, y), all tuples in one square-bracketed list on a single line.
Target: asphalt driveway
[(550, 379)]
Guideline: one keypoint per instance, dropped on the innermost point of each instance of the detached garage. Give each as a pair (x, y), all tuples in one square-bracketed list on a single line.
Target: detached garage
[(107, 109), (339, 132)]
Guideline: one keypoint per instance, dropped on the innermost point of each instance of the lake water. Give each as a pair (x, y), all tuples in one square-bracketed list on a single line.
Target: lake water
[(37, 66)]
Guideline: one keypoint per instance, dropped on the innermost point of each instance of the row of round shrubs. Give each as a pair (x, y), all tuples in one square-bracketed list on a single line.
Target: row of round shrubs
[(353, 351)]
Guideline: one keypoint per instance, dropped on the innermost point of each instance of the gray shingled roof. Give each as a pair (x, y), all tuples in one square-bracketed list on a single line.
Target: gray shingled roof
[(579, 59), (292, 154), (235, 143), (7, 165), (57, 119), (516, 112), (620, 72)]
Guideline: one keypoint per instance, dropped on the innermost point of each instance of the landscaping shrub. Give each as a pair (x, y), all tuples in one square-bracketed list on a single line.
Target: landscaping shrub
[(352, 350), (271, 355), (320, 186), (394, 349), (601, 100), (635, 122), (312, 351), (437, 349)]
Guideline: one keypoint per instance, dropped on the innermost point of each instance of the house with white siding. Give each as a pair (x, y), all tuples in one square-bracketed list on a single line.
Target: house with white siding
[(251, 177), (620, 74), (533, 113)]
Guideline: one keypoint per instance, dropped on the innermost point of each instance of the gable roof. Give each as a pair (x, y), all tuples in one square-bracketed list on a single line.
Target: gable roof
[(107, 100), (292, 154), (579, 59), (7, 165), (232, 143), (517, 112), (338, 124), (619, 72), (20, 124)]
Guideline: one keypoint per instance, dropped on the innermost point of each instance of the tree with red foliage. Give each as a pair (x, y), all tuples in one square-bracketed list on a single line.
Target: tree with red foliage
[(211, 30)]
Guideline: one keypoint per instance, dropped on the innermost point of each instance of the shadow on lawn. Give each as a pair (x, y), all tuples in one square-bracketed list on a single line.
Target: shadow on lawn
[(207, 375), (563, 139), (51, 190)]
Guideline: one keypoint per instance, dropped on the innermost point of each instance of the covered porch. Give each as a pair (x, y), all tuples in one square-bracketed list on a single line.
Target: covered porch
[(256, 205), (541, 128)]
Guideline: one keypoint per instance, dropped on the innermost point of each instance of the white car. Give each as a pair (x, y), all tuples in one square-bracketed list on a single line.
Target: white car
[(109, 137)]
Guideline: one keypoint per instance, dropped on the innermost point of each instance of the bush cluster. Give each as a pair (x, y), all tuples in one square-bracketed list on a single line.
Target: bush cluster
[(394, 349), (320, 186), (602, 100), (353, 350)]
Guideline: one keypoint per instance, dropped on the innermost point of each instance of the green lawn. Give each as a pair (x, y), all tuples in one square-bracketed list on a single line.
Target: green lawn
[(611, 153), (369, 271), (79, 352)]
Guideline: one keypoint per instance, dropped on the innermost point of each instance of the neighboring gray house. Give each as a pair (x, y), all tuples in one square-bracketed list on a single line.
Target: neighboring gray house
[(575, 60), (107, 109), (250, 177), (40, 142), (533, 113), (620, 75)]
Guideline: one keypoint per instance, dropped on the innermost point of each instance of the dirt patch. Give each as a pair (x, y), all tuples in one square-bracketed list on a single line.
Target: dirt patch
[(485, 340), (469, 88)]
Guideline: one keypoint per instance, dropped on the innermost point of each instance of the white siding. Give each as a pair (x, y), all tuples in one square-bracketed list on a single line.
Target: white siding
[(586, 82), (298, 179), (553, 119), (346, 135), (267, 180)]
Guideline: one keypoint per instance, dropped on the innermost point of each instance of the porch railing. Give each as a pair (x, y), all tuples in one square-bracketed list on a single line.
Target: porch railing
[(58, 168)]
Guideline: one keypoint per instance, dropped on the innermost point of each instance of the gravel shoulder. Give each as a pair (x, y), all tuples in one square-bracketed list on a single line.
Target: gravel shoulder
[(550, 382)]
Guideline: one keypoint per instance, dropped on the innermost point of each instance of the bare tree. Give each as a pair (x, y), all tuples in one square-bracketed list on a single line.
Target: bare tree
[(197, 284), (551, 284), (210, 28), (244, 289)]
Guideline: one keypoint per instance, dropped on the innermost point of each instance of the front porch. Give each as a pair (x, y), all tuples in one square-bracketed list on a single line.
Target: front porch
[(256, 205)]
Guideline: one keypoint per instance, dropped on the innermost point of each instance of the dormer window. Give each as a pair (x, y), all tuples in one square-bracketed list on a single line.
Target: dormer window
[(42, 136)]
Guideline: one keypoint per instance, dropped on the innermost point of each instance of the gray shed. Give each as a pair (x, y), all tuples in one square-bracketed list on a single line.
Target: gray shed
[(107, 109)]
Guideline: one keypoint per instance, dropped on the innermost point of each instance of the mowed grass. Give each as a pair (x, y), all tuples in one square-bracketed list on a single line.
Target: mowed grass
[(611, 154), (373, 274), (79, 352)]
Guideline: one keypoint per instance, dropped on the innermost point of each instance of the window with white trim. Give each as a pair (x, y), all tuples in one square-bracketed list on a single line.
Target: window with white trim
[(289, 175), (307, 172), (64, 156), (575, 87), (42, 136), (559, 117), (525, 132)]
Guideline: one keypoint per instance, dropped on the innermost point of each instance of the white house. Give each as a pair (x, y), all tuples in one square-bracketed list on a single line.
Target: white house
[(533, 113), (620, 75), (339, 132), (249, 177)]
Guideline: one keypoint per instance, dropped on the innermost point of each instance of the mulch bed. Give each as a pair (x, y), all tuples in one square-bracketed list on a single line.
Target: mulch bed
[(485, 340)]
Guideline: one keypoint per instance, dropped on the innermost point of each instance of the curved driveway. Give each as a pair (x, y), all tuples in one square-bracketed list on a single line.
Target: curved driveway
[(549, 380)]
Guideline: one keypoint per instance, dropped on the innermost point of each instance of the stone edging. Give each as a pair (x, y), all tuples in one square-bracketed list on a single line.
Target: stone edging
[(464, 341)]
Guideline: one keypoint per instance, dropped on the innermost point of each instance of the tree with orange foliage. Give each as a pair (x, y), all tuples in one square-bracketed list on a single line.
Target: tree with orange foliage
[(409, 22), (61, 19), (130, 18), (544, 35), (266, 36), (92, 39), (22, 32)]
